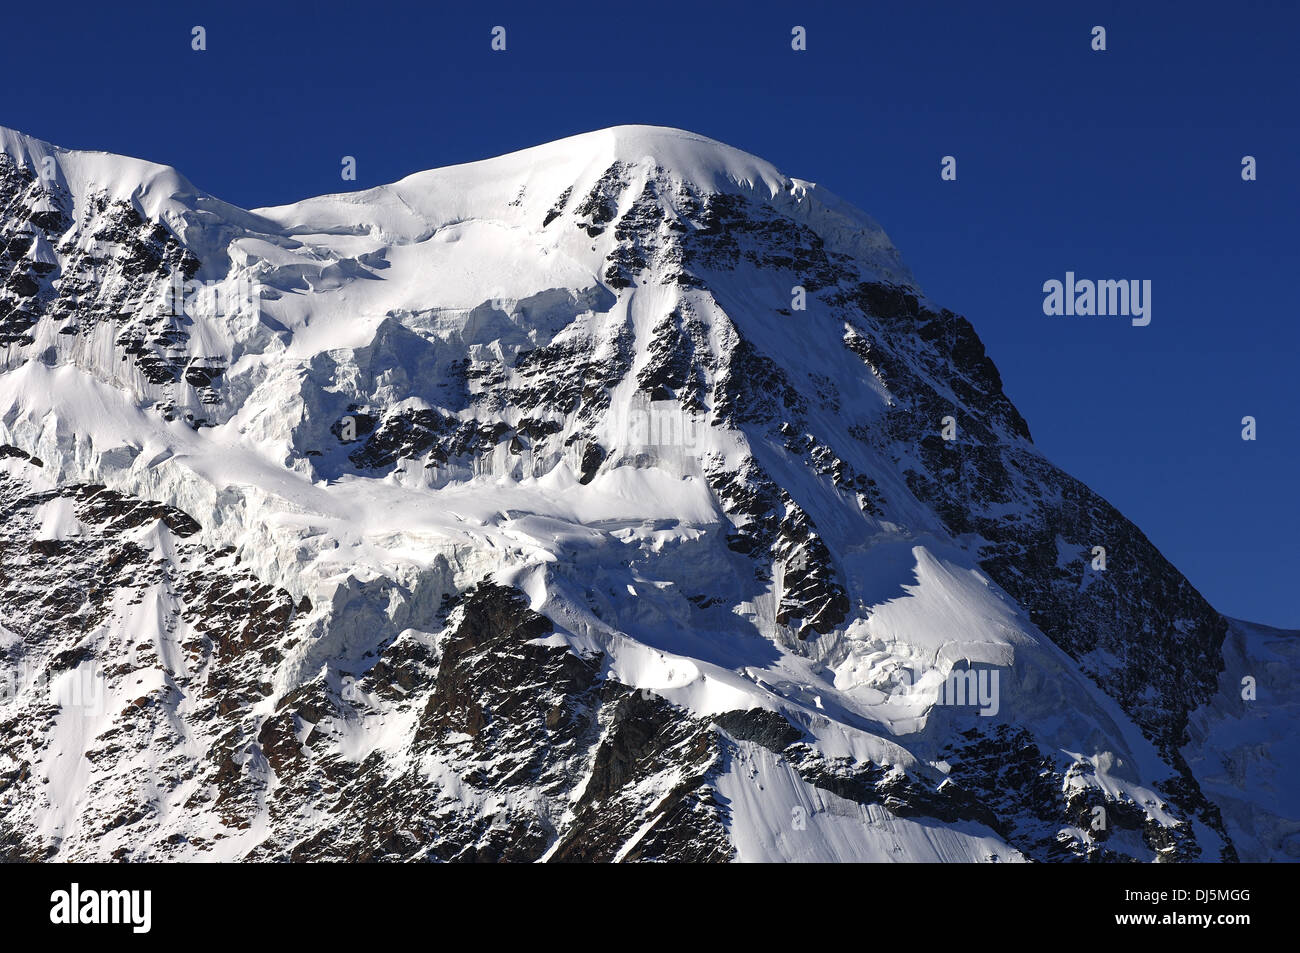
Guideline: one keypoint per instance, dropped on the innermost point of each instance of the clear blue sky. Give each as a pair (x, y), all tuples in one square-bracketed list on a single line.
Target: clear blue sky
[(1122, 164)]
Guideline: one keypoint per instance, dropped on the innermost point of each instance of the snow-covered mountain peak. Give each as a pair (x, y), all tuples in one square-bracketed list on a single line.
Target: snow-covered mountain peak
[(529, 188), (157, 192), (597, 500)]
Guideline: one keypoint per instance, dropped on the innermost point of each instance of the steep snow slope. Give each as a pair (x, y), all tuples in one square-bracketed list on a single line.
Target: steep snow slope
[(1245, 749), (517, 510)]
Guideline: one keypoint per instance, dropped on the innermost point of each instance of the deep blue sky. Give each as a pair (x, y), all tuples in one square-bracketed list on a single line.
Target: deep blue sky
[(1123, 164)]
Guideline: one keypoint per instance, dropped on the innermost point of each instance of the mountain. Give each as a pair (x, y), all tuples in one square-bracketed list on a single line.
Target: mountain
[(622, 498)]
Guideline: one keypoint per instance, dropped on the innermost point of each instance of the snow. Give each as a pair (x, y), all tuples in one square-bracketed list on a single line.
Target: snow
[(1246, 751), (459, 261), (58, 520), (776, 817)]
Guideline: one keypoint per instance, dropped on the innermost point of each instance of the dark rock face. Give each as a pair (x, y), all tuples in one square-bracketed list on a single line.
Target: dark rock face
[(1027, 790), (108, 266), (70, 602), (1001, 780), (1138, 627), (649, 741), (680, 361), (520, 724), (774, 530)]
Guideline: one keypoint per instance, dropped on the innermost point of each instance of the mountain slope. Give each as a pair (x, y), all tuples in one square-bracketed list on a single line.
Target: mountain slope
[(587, 503)]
